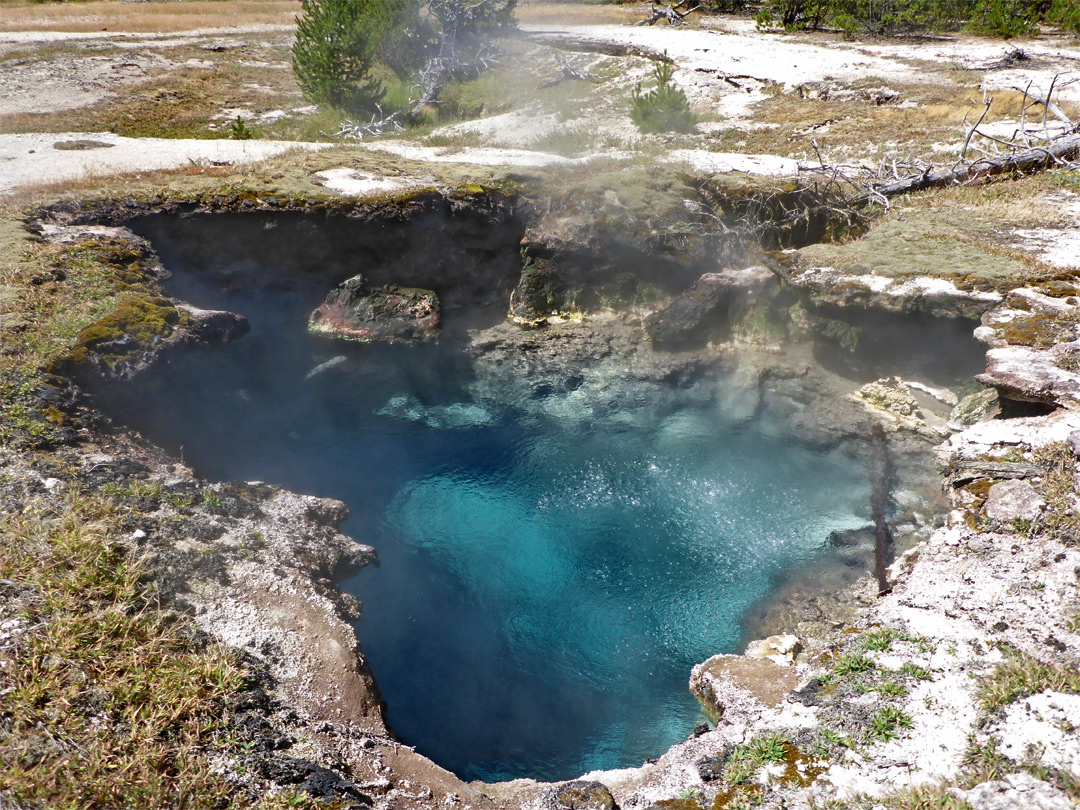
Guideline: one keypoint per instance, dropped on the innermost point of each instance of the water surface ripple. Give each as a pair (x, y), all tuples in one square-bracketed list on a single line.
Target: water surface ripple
[(547, 580)]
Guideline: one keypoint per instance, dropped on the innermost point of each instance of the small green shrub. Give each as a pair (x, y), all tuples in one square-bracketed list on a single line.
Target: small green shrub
[(664, 108), (851, 664), (886, 722), (794, 15), (239, 131), (1066, 14), (1003, 18)]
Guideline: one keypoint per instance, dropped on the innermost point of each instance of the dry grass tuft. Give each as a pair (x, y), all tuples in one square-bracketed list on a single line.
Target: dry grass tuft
[(536, 12), (1060, 521), (932, 797), (103, 15), (1020, 676), (106, 702)]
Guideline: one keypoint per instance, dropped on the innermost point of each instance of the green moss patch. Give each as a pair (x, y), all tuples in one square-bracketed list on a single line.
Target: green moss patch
[(1041, 330), (138, 323), (131, 262), (925, 242)]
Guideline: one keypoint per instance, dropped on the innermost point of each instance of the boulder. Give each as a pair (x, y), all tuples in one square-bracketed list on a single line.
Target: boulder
[(214, 326), (710, 768), (542, 290), (740, 686), (1074, 443), (1017, 791), (1028, 374), (356, 311), (579, 795), (141, 332), (891, 395), (974, 408), (780, 649), (1013, 500), (706, 308), (1033, 348)]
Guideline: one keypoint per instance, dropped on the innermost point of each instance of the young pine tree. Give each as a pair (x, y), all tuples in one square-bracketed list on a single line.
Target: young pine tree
[(664, 108), (336, 47)]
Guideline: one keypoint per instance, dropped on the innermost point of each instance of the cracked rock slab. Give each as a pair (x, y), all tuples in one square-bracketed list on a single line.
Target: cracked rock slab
[(1015, 499), (1018, 791)]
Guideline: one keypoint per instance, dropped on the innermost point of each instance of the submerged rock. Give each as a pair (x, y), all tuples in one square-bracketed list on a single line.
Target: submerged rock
[(437, 417), (333, 362), (355, 311), (706, 308)]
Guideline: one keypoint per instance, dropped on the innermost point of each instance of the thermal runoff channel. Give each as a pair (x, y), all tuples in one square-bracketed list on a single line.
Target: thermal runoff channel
[(554, 559)]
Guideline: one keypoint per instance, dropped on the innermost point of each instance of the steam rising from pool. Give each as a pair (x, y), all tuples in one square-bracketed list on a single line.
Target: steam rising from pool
[(552, 565)]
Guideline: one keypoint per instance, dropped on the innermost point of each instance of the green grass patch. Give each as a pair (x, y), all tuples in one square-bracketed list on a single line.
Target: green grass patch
[(1020, 676), (880, 639), (917, 672), (851, 664), (891, 689), (107, 701), (982, 762), (761, 750), (925, 797), (886, 722)]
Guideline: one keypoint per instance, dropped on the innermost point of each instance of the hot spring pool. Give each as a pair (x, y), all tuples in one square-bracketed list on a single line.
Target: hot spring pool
[(552, 564)]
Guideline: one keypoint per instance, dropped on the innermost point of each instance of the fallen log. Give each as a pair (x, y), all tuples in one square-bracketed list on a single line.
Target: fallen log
[(1023, 161)]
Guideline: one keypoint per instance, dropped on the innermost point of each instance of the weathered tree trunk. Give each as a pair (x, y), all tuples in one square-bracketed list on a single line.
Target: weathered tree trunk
[(1025, 160)]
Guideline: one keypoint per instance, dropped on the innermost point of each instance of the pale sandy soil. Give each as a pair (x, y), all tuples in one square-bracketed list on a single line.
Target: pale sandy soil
[(86, 67), (729, 71), (30, 160)]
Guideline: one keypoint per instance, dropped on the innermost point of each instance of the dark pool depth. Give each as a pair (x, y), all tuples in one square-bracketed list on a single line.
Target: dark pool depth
[(551, 568)]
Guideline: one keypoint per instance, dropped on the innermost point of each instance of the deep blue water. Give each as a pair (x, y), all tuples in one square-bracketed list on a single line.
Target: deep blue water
[(552, 565)]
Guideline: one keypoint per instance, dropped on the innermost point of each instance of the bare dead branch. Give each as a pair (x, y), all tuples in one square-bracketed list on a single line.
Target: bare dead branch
[(671, 14), (1046, 103), (974, 129), (568, 73)]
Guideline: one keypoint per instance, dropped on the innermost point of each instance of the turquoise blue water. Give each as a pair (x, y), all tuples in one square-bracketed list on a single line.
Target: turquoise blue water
[(551, 566)]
